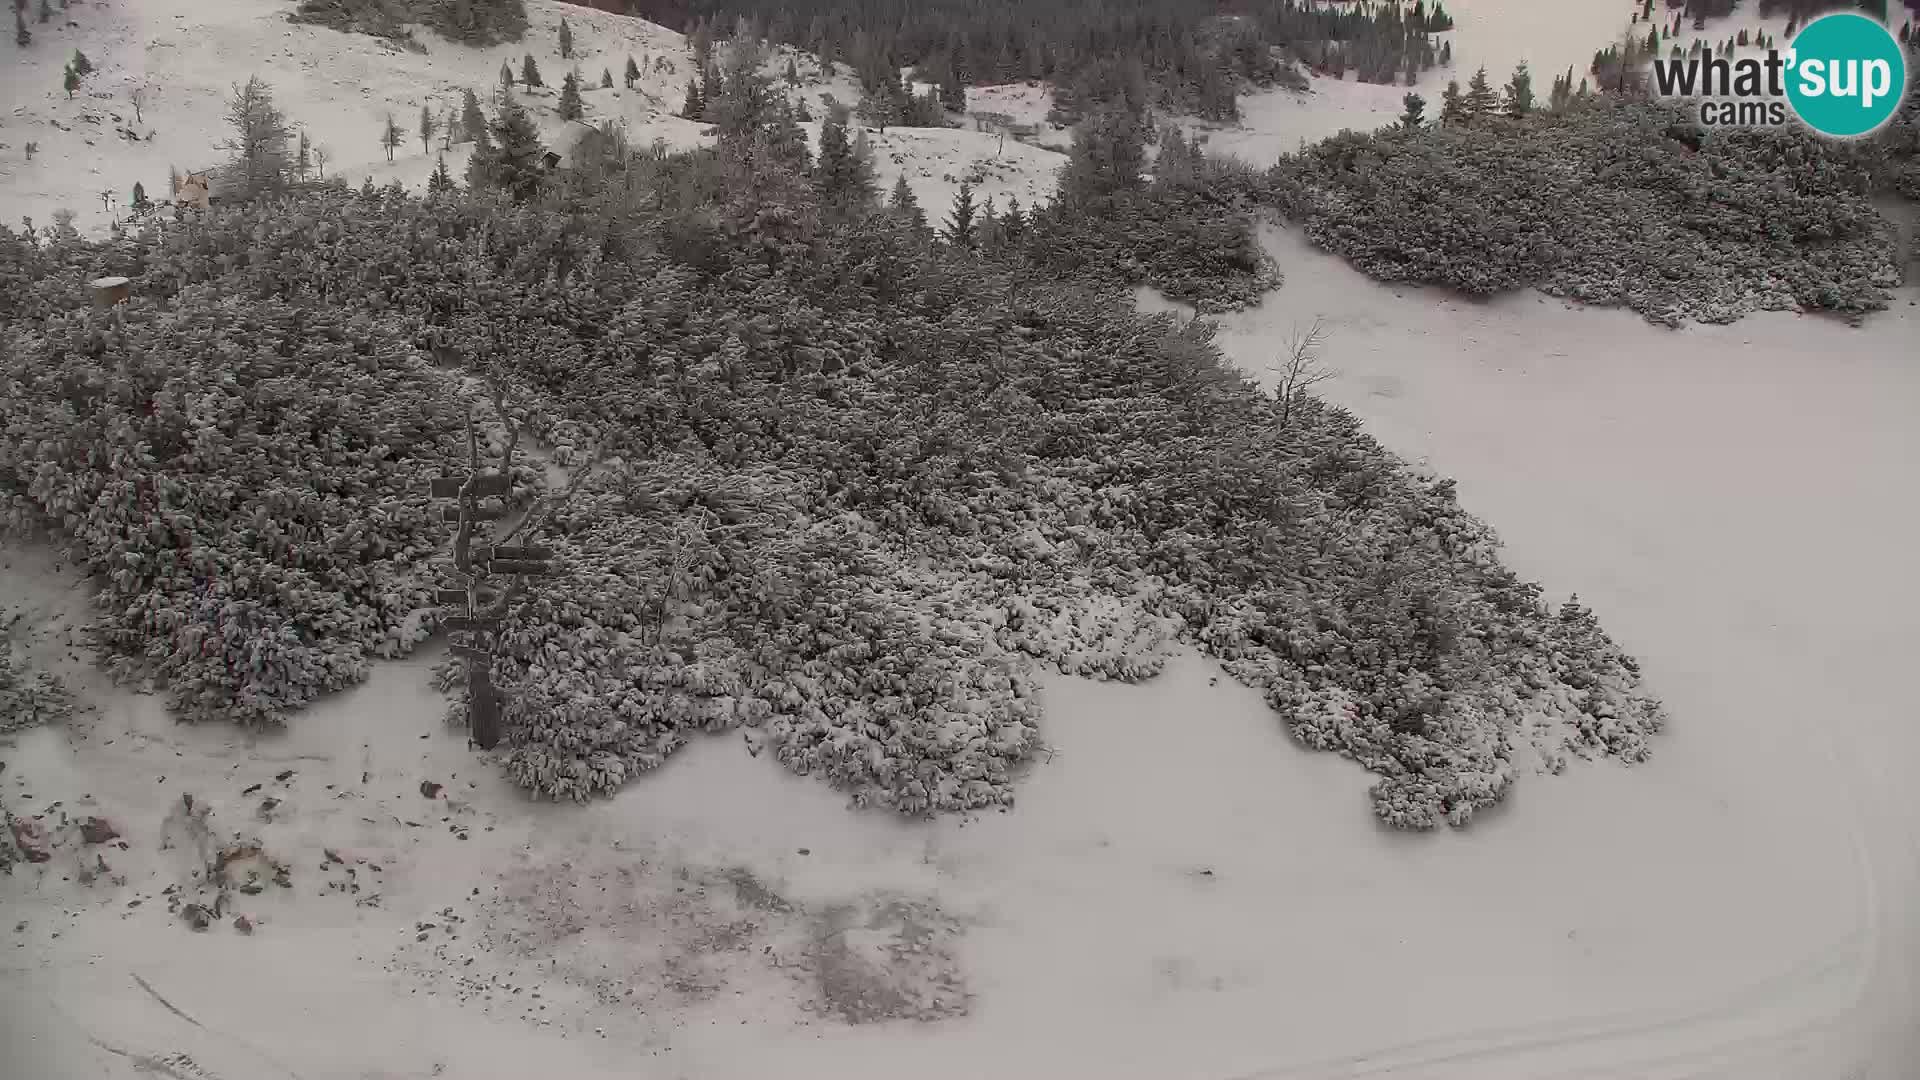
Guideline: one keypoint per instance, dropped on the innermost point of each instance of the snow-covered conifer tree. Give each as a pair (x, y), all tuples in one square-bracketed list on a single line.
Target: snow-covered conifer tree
[(571, 107), (960, 228)]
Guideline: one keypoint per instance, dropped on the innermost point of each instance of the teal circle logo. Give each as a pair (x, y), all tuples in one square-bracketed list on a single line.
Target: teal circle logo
[(1846, 75)]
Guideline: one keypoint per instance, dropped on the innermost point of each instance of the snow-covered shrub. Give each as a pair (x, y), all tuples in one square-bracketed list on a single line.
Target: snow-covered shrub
[(470, 22), (1609, 202), (245, 482), (29, 696), (1192, 239), (852, 489)]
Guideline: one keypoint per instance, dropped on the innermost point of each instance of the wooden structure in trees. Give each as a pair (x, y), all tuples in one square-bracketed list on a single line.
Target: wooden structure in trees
[(196, 190), (108, 291), (477, 610), (1003, 125), (575, 140)]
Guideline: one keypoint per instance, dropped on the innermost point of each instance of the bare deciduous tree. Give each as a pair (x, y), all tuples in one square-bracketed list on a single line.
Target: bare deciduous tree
[(391, 135), (139, 99), (1300, 369)]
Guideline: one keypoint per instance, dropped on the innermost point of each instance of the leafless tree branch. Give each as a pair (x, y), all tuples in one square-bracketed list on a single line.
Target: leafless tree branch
[(1300, 370)]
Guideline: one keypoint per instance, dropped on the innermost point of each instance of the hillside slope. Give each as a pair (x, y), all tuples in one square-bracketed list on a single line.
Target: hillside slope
[(183, 59)]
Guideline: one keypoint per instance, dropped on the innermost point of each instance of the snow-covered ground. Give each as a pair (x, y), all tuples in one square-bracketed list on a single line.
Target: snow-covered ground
[(184, 56), (1021, 103), (1496, 34), (1550, 38), (1727, 498)]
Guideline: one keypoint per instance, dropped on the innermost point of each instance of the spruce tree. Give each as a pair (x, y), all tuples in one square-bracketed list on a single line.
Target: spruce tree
[(1562, 92), (632, 72), (139, 196), (701, 42), (515, 162), (473, 123), (1416, 107), (530, 72), (606, 79), (46, 11), (904, 206), (21, 35), (745, 96), (1453, 107), (441, 181), (844, 179), (788, 140), (81, 64), (960, 226), (506, 76), (694, 106), (793, 73), (571, 107), (71, 80), (710, 89), (480, 163), (1013, 224), (1177, 161), (1108, 154), (302, 158), (1520, 91), (1481, 100), (953, 93), (429, 125), (260, 137), (566, 40), (863, 151)]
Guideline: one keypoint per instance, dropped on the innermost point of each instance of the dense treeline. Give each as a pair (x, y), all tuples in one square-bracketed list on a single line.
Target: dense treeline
[(471, 22), (852, 469), (1181, 53), (1611, 199)]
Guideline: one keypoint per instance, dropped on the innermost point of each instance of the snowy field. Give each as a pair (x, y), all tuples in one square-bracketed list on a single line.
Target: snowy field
[(1734, 502), (1739, 907)]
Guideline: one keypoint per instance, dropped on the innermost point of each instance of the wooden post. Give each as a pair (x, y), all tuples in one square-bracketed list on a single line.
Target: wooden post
[(483, 705), (477, 610)]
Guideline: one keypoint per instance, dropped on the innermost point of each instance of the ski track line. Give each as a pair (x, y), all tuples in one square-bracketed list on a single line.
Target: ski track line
[(235, 1039), (170, 1006), (1491, 1044)]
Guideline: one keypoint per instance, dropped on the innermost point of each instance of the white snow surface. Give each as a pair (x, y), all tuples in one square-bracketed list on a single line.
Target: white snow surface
[(1182, 891)]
